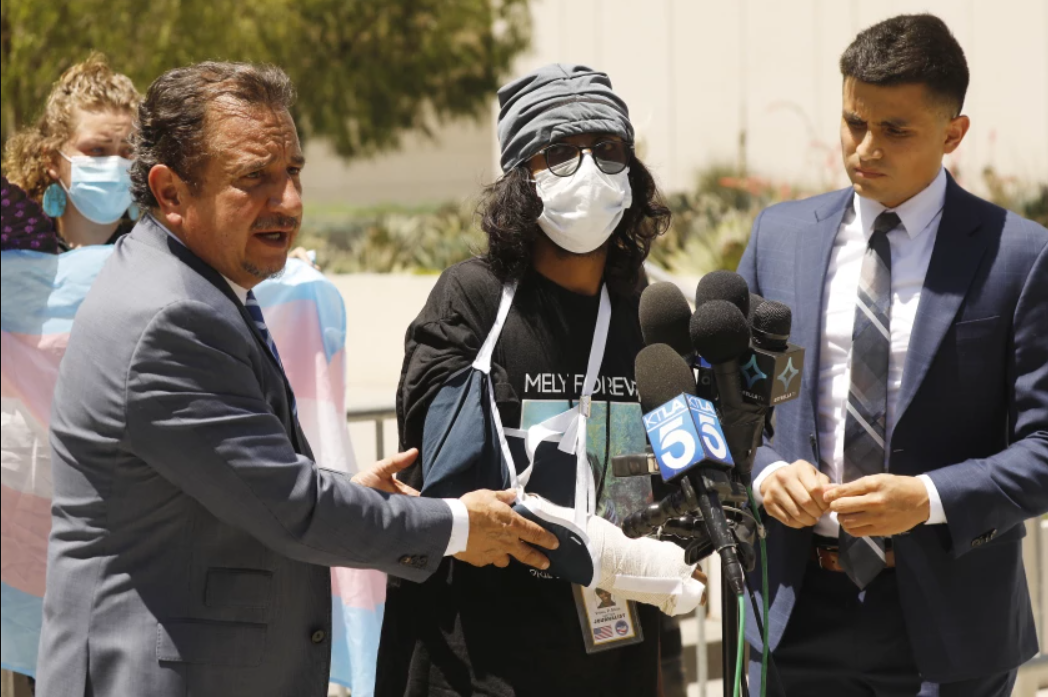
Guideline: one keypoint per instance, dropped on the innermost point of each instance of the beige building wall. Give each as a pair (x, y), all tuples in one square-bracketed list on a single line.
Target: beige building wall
[(739, 81), (453, 165)]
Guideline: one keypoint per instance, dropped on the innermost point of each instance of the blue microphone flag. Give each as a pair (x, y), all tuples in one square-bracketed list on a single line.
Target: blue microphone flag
[(684, 433)]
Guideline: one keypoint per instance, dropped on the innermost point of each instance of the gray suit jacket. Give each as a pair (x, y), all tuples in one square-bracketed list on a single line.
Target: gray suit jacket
[(191, 529)]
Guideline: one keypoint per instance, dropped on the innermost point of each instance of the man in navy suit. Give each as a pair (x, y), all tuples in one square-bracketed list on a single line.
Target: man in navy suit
[(897, 486)]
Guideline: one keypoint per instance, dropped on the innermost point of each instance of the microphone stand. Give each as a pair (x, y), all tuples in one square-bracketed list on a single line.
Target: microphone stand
[(690, 516), (682, 517), (743, 426)]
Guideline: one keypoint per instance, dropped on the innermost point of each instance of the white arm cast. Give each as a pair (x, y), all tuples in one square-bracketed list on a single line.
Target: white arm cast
[(644, 570)]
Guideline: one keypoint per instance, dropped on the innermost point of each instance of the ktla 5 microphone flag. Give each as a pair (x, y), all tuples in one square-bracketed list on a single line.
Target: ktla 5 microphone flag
[(40, 297)]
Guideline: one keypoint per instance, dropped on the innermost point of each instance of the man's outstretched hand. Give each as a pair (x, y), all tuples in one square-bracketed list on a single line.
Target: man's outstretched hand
[(383, 474), (496, 533)]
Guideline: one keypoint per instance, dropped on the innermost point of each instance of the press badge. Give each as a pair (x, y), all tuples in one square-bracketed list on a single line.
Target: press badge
[(607, 621)]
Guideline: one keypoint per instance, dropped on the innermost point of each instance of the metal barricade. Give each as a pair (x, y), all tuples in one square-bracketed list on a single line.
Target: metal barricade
[(1041, 530), (1034, 675), (378, 414)]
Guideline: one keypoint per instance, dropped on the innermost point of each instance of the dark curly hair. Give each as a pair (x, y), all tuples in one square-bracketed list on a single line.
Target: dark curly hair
[(510, 208)]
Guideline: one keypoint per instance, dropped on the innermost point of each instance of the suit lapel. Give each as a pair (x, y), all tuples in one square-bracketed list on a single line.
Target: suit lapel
[(215, 279), (191, 260), (815, 246), (959, 248)]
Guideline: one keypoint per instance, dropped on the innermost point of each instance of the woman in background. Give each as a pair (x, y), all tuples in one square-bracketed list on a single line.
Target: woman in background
[(66, 183), (73, 163), (74, 160)]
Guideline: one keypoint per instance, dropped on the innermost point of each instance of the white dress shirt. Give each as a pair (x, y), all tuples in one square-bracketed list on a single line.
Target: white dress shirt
[(911, 247), (459, 512)]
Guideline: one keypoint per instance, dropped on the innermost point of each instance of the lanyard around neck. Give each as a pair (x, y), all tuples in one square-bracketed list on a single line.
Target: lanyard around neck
[(568, 427)]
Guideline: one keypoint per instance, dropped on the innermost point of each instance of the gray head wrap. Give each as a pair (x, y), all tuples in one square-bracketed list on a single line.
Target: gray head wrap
[(555, 101)]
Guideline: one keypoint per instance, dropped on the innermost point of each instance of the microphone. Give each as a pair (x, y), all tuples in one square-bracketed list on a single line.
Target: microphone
[(687, 441), (721, 285), (724, 285), (771, 373), (755, 302), (770, 325), (682, 428), (721, 334), (680, 503), (635, 465), (664, 317), (705, 382)]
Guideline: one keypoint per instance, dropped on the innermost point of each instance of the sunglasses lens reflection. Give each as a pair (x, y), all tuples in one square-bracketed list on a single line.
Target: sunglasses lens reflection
[(562, 160), (612, 156)]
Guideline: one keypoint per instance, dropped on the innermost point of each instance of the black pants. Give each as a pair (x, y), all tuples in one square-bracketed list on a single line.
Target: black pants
[(841, 642)]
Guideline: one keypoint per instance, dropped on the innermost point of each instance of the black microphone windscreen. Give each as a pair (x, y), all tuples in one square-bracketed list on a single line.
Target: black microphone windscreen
[(755, 302), (661, 375), (719, 331), (773, 318), (665, 316), (724, 285)]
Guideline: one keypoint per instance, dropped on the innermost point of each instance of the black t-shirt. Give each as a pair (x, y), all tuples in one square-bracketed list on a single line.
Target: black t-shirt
[(515, 632)]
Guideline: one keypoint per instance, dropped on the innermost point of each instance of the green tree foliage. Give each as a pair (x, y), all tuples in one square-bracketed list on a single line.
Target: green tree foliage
[(366, 70)]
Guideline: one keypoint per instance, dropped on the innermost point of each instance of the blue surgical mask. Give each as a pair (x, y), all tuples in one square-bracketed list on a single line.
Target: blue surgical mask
[(100, 187)]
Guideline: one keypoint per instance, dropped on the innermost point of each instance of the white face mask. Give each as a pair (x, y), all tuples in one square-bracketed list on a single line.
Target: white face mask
[(100, 187), (581, 211)]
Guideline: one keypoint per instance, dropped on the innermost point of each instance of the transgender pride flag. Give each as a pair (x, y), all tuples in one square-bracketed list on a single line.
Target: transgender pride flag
[(40, 295)]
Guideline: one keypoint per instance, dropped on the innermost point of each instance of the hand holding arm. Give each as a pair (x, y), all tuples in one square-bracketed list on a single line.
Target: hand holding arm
[(496, 533)]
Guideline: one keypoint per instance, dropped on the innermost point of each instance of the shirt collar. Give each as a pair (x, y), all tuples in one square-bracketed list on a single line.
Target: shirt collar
[(916, 214), (239, 291)]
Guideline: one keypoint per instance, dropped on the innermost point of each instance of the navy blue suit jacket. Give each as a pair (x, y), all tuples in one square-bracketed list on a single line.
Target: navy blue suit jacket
[(972, 414)]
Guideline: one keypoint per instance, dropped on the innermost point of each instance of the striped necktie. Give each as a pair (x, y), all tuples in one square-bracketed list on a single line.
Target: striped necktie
[(255, 311), (865, 426)]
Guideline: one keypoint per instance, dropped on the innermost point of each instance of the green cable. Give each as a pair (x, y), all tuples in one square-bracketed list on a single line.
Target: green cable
[(739, 671), (764, 597)]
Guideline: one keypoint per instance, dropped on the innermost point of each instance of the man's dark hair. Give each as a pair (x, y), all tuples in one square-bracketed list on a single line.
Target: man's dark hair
[(172, 119), (510, 209), (910, 49)]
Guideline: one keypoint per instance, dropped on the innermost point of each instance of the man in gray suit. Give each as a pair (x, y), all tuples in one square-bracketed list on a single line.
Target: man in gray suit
[(192, 529)]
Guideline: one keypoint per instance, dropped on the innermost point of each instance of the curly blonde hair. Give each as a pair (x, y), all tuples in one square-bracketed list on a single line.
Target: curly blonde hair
[(91, 85)]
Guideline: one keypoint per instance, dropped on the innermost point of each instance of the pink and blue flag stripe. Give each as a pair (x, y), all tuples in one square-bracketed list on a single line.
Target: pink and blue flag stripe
[(40, 296)]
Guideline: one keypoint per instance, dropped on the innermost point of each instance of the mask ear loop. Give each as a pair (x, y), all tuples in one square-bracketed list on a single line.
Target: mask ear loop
[(59, 181)]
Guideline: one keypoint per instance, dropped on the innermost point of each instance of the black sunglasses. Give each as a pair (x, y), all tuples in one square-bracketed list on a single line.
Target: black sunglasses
[(611, 157)]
